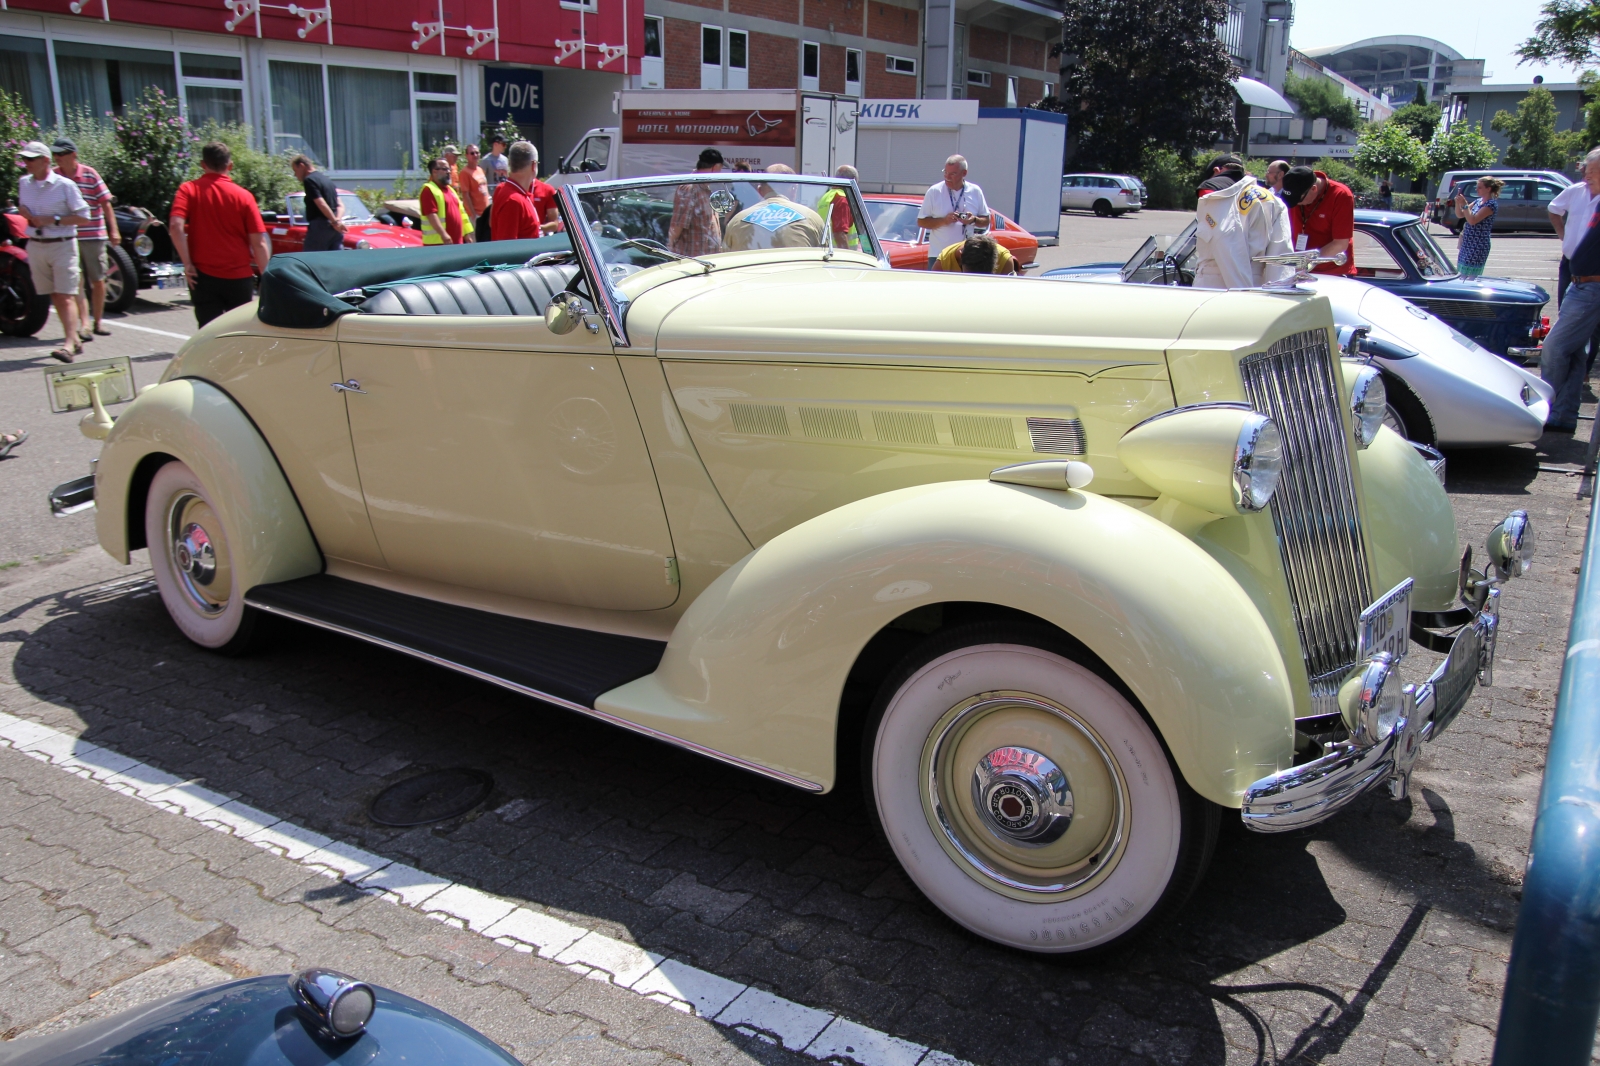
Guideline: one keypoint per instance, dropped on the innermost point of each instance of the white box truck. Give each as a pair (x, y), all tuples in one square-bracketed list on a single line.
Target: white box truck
[(663, 132)]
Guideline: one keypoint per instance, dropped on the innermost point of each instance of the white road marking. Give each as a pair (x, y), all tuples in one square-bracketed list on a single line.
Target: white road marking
[(142, 329), (818, 1033)]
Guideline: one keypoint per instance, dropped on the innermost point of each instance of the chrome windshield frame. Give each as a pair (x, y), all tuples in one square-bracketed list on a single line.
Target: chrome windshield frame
[(612, 303)]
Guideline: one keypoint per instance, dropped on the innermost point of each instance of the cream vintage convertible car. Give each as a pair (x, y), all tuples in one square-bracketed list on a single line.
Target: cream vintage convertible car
[(1063, 572)]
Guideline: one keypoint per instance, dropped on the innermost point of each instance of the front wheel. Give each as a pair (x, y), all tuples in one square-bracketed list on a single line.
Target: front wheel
[(193, 561), (1026, 797), (22, 310)]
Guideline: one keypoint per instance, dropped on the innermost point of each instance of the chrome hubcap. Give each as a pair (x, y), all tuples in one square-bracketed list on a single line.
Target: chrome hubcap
[(199, 554), (195, 556), (1022, 795)]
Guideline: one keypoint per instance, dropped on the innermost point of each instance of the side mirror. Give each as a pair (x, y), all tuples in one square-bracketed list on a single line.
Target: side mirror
[(565, 312)]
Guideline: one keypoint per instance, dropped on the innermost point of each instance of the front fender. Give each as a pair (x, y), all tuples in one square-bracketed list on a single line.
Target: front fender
[(756, 667), (1411, 527), (199, 424)]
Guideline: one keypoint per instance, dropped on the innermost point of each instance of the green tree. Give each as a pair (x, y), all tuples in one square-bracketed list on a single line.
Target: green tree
[(1149, 74), (17, 128), (1532, 140), (1388, 148), (266, 177), (1419, 119), (155, 153), (1318, 97), (1462, 147), (1567, 33)]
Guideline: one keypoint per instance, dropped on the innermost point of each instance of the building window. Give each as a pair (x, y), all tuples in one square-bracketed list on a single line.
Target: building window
[(299, 120), (1011, 92), (852, 72), (900, 65), (102, 78), (25, 70), (978, 77), (738, 59), (213, 89), (435, 96), (371, 111), (710, 57), (590, 6), (810, 65), (652, 67)]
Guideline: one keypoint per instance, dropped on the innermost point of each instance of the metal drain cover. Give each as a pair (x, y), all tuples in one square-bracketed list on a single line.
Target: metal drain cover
[(431, 797)]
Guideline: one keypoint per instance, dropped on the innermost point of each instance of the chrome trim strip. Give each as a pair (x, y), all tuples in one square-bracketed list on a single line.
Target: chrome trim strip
[(1216, 405), (610, 719)]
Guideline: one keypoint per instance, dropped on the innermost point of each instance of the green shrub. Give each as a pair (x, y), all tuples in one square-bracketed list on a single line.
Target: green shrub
[(17, 128), (1411, 203), (155, 153), (1170, 180), (1343, 172), (267, 177)]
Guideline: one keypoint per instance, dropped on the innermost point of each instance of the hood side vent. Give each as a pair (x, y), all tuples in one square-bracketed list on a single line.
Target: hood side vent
[(763, 419), (905, 427), (835, 423), (983, 431), (1058, 436)]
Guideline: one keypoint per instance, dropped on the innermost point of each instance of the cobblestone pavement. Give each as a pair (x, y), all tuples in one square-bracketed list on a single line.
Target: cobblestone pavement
[(1380, 937)]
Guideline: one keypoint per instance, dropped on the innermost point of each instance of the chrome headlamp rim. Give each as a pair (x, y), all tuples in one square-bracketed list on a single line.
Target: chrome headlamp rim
[(1257, 463), (1511, 545), (363, 243), (1380, 701), (143, 246), (1369, 401), (337, 1005)]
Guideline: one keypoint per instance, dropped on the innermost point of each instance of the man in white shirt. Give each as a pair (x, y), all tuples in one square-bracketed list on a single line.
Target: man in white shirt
[(953, 210), (1570, 213), (54, 208)]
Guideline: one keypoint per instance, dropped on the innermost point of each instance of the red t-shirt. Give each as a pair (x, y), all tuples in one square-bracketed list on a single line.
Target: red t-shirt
[(450, 214), (219, 217), (1332, 217), (516, 214)]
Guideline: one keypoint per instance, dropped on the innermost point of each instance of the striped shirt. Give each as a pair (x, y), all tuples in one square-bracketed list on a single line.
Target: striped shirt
[(95, 194)]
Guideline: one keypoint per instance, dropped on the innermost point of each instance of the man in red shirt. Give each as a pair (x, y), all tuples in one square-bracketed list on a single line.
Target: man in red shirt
[(1322, 216), (524, 206), (218, 232)]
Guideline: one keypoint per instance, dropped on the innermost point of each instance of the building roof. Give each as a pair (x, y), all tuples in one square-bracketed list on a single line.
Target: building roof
[(1394, 41)]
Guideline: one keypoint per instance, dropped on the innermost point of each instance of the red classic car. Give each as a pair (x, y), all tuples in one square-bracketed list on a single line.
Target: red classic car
[(288, 230), (894, 220)]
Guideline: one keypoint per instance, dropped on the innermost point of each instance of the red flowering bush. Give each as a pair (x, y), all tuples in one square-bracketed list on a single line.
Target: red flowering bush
[(155, 153), (17, 128)]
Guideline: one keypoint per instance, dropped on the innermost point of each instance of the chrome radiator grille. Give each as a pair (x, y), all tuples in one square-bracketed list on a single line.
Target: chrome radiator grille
[(1319, 526)]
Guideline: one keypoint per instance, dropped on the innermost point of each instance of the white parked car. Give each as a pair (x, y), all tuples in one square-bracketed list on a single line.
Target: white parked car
[(1443, 387), (1107, 195)]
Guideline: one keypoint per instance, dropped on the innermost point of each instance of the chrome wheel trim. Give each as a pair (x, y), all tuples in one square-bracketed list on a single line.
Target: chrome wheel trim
[(115, 282), (954, 807), (198, 554)]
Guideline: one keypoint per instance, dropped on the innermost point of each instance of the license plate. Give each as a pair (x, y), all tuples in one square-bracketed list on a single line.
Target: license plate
[(172, 281), (1386, 625)]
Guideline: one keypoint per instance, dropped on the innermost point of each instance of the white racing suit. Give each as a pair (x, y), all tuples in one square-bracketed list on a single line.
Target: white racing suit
[(1234, 224)]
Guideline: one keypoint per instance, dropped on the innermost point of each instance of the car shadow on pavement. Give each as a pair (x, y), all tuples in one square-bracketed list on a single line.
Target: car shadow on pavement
[(742, 877)]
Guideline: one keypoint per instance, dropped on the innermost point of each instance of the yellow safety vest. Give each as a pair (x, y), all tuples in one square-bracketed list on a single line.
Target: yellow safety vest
[(428, 235), (825, 209)]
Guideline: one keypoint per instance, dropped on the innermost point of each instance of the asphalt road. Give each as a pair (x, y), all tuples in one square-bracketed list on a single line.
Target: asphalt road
[(1378, 937)]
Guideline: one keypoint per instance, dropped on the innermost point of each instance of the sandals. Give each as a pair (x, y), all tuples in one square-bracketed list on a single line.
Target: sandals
[(84, 335), (11, 440), (65, 354), (101, 331)]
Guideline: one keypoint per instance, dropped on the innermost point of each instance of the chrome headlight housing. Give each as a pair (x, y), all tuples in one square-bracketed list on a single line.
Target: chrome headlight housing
[(1352, 340), (1379, 697), (143, 245), (1511, 545), (1369, 402), (1257, 463), (363, 243)]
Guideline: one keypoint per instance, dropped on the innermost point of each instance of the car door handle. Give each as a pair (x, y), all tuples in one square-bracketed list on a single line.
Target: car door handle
[(349, 386)]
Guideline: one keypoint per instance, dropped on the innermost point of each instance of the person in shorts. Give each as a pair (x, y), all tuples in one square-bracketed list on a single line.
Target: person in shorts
[(53, 208), (93, 239)]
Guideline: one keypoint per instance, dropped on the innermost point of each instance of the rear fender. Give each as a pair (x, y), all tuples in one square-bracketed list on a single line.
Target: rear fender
[(756, 667), (200, 425)]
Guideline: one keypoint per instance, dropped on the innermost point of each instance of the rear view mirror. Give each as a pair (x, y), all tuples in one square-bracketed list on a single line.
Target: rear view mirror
[(565, 312)]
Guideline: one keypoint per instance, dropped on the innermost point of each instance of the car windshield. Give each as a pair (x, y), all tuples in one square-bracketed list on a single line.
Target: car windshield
[(895, 221), (677, 219), (354, 209), (1162, 260), (1431, 260)]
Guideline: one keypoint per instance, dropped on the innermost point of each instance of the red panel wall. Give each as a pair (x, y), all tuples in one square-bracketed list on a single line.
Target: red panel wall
[(528, 29)]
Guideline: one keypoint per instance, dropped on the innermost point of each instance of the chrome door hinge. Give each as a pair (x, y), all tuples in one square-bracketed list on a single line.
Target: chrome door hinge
[(672, 571)]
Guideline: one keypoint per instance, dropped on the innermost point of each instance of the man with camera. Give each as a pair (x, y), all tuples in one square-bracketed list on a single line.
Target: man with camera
[(953, 210)]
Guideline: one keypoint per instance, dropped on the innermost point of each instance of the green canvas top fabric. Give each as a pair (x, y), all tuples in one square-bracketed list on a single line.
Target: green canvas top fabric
[(297, 290)]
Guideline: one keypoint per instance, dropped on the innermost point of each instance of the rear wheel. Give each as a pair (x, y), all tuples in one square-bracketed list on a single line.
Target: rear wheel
[(1026, 797), (122, 279), (193, 561), (1103, 208)]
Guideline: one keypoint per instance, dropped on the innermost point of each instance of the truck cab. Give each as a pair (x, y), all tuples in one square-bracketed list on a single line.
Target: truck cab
[(594, 158)]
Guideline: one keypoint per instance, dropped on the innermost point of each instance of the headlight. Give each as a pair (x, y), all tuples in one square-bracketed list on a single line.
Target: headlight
[(1378, 698), (143, 244), (363, 243), (1511, 545), (1257, 463), (1369, 402)]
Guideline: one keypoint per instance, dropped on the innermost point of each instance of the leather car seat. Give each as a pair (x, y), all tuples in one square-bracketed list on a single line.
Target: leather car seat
[(523, 291)]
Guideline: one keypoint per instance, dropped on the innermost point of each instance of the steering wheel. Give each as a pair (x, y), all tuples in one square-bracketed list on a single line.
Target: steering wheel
[(608, 231)]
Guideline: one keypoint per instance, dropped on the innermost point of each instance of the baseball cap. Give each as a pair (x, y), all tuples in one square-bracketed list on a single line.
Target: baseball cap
[(33, 150), (450, 149), (62, 146), (1297, 183), (1219, 182)]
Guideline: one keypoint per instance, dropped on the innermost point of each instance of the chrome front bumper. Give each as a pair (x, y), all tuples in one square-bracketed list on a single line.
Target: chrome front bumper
[(1311, 792)]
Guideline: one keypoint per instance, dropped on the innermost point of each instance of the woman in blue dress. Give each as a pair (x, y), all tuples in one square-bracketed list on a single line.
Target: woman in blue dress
[(1478, 221)]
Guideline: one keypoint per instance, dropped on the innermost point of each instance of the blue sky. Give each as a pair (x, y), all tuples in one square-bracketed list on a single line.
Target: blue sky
[(1478, 29)]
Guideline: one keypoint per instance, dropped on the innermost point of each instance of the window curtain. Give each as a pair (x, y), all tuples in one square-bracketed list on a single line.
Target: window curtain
[(436, 122), (299, 119), (371, 119), (24, 71), (209, 103), (102, 78)]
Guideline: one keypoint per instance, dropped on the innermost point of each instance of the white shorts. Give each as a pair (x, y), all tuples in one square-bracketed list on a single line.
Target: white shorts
[(54, 265)]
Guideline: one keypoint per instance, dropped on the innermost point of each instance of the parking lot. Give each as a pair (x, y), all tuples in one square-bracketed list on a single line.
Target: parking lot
[(1378, 937)]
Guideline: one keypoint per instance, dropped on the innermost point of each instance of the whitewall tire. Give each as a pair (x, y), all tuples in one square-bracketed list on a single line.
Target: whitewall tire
[(1026, 796), (193, 563)]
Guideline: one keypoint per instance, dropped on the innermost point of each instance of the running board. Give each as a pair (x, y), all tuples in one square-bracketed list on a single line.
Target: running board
[(561, 665)]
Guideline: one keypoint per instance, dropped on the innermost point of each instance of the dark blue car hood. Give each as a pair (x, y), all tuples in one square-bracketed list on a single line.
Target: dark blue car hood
[(1480, 290)]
